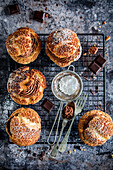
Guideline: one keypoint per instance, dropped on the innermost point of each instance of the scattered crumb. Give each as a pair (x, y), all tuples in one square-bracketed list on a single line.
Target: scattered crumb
[(98, 23), (46, 15), (107, 38), (105, 47), (86, 78), (83, 149), (74, 150), (69, 152), (93, 50), (85, 54), (99, 26), (28, 22), (105, 54), (46, 8), (104, 22), (92, 91), (112, 156), (100, 106)]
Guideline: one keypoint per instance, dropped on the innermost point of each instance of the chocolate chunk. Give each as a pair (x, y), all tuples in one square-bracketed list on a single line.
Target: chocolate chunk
[(97, 65), (92, 91), (28, 151), (47, 105), (94, 67), (96, 89), (34, 154), (101, 61), (77, 147), (14, 9), (38, 16)]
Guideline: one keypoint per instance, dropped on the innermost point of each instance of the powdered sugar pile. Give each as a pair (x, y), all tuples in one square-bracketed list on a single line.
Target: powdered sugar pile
[(68, 84)]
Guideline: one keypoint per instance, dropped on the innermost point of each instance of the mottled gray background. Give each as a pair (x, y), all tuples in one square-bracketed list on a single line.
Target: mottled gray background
[(82, 17)]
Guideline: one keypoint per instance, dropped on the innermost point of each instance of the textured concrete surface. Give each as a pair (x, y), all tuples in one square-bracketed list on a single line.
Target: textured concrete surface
[(82, 17)]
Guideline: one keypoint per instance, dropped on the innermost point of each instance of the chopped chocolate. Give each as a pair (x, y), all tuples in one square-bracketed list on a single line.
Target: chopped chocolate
[(94, 67), (47, 105), (94, 30), (38, 16), (77, 147), (92, 91), (34, 154), (101, 61), (14, 9), (96, 89), (29, 151), (46, 8)]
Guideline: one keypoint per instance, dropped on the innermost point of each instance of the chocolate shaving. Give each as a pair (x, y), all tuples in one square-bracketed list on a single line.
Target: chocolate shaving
[(96, 89), (92, 91), (77, 147)]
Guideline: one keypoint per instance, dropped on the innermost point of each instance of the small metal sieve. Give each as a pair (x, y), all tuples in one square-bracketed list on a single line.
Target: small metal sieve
[(65, 98)]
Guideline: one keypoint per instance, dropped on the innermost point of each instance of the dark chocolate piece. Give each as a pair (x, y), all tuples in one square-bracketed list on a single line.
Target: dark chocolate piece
[(38, 16), (101, 61), (96, 89), (97, 65), (94, 67), (77, 147), (47, 105), (14, 9), (92, 91)]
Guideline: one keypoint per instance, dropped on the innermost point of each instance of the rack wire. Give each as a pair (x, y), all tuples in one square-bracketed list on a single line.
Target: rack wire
[(50, 69)]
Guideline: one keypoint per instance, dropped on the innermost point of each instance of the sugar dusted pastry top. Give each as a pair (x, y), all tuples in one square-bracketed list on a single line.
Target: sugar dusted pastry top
[(95, 127), (63, 43), (23, 45), (26, 86), (24, 126)]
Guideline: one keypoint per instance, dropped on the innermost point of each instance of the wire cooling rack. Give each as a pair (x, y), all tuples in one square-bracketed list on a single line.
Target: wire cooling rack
[(96, 99)]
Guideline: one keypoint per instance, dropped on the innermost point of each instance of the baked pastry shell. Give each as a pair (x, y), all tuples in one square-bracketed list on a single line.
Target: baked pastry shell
[(34, 98), (84, 120), (33, 55), (25, 142)]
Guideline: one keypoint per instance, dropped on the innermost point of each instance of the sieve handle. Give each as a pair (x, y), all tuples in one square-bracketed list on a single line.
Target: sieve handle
[(58, 113), (72, 67)]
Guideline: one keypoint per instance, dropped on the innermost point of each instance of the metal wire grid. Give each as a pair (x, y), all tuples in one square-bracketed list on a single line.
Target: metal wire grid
[(49, 69)]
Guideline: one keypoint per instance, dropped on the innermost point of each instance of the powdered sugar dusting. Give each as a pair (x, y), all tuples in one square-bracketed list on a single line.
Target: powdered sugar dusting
[(62, 35)]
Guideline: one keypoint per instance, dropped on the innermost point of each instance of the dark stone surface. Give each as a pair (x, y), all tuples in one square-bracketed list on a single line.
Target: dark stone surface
[(82, 17)]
